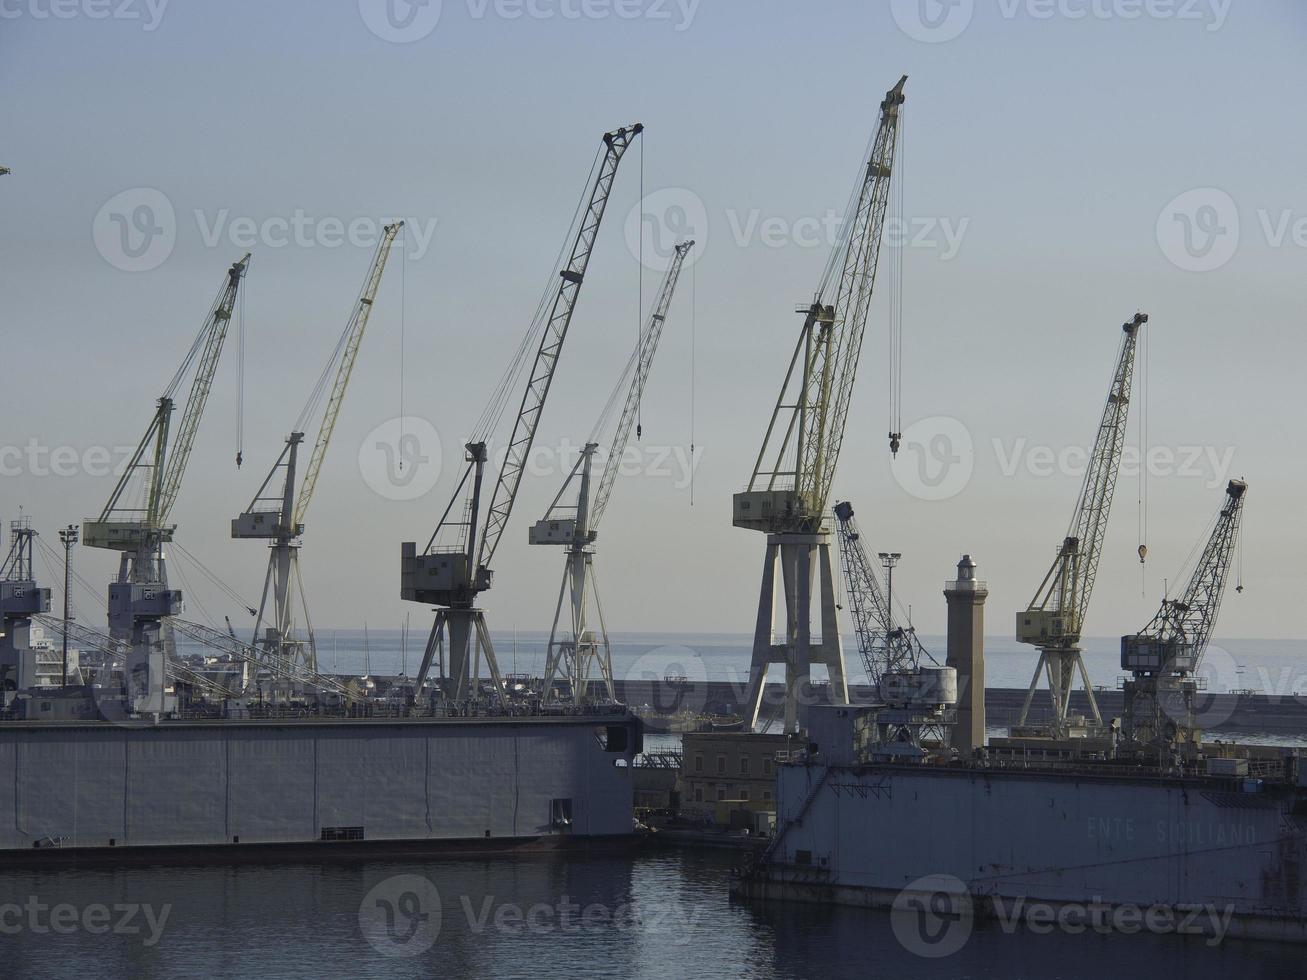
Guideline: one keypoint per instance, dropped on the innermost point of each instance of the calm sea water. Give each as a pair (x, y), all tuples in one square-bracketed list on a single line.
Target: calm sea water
[(665, 914), (1266, 666)]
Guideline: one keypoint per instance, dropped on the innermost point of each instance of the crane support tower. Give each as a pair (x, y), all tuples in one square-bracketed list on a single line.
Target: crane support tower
[(135, 520), (278, 517), (1164, 657), (1055, 616), (787, 494), (451, 577), (916, 697), (576, 527), (20, 599)]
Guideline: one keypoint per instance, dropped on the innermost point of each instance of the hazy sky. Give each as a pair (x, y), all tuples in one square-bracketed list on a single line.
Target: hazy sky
[(1047, 146)]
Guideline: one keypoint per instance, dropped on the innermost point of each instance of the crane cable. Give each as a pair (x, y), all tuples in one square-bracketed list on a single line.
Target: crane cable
[(403, 303), (240, 383), (898, 219), (694, 312), (1141, 367), (639, 305), (500, 395)]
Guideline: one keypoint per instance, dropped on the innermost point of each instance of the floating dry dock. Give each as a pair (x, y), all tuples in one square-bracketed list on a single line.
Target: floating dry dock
[(94, 785), (862, 833)]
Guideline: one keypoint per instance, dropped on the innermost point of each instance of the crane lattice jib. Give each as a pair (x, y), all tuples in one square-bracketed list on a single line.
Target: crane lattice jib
[(1069, 583), (551, 344), (358, 323), (1190, 619), (652, 332), (215, 334), (835, 360), (884, 647)]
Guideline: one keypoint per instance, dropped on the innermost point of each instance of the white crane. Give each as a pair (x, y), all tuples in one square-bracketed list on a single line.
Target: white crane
[(1164, 657), (577, 526), (135, 520), (1056, 614), (791, 482), (279, 517), (451, 576)]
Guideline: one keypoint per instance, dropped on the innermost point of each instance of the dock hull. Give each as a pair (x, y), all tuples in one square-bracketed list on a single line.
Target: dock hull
[(322, 787), (995, 842)]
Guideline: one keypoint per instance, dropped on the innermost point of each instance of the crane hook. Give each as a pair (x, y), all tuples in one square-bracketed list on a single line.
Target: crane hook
[(894, 438), (239, 459), (1143, 553)]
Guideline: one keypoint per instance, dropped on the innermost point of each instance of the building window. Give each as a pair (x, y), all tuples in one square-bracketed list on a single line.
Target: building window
[(766, 766), (698, 794), (744, 765), (698, 762), (744, 795), (766, 794), (721, 765), (721, 793)]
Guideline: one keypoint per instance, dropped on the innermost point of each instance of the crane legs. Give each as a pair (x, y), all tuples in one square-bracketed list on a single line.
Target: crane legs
[(469, 639), (805, 561), (1061, 666)]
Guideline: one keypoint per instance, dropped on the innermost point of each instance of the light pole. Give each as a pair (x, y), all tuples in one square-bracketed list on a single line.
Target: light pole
[(69, 537), (889, 559)]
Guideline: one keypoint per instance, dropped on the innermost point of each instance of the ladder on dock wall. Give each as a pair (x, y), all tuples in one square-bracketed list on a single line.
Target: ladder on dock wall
[(775, 844)]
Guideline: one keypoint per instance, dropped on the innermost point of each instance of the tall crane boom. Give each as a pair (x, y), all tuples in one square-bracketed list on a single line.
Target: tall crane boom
[(129, 529), (280, 517), (551, 344), (641, 361), (140, 600), (1055, 616), (351, 339), (451, 577), (825, 361), (792, 476), (1164, 656), (214, 336), (885, 646), (574, 653)]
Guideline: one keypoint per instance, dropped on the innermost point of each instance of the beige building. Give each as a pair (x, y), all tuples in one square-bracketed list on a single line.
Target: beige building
[(719, 766)]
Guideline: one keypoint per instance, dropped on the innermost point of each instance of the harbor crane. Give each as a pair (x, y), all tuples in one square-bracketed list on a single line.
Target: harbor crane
[(20, 600), (886, 647), (1164, 657), (1055, 616), (135, 520), (787, 493), (278, 517), (452, 576), (577, 526), (918, 697)]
